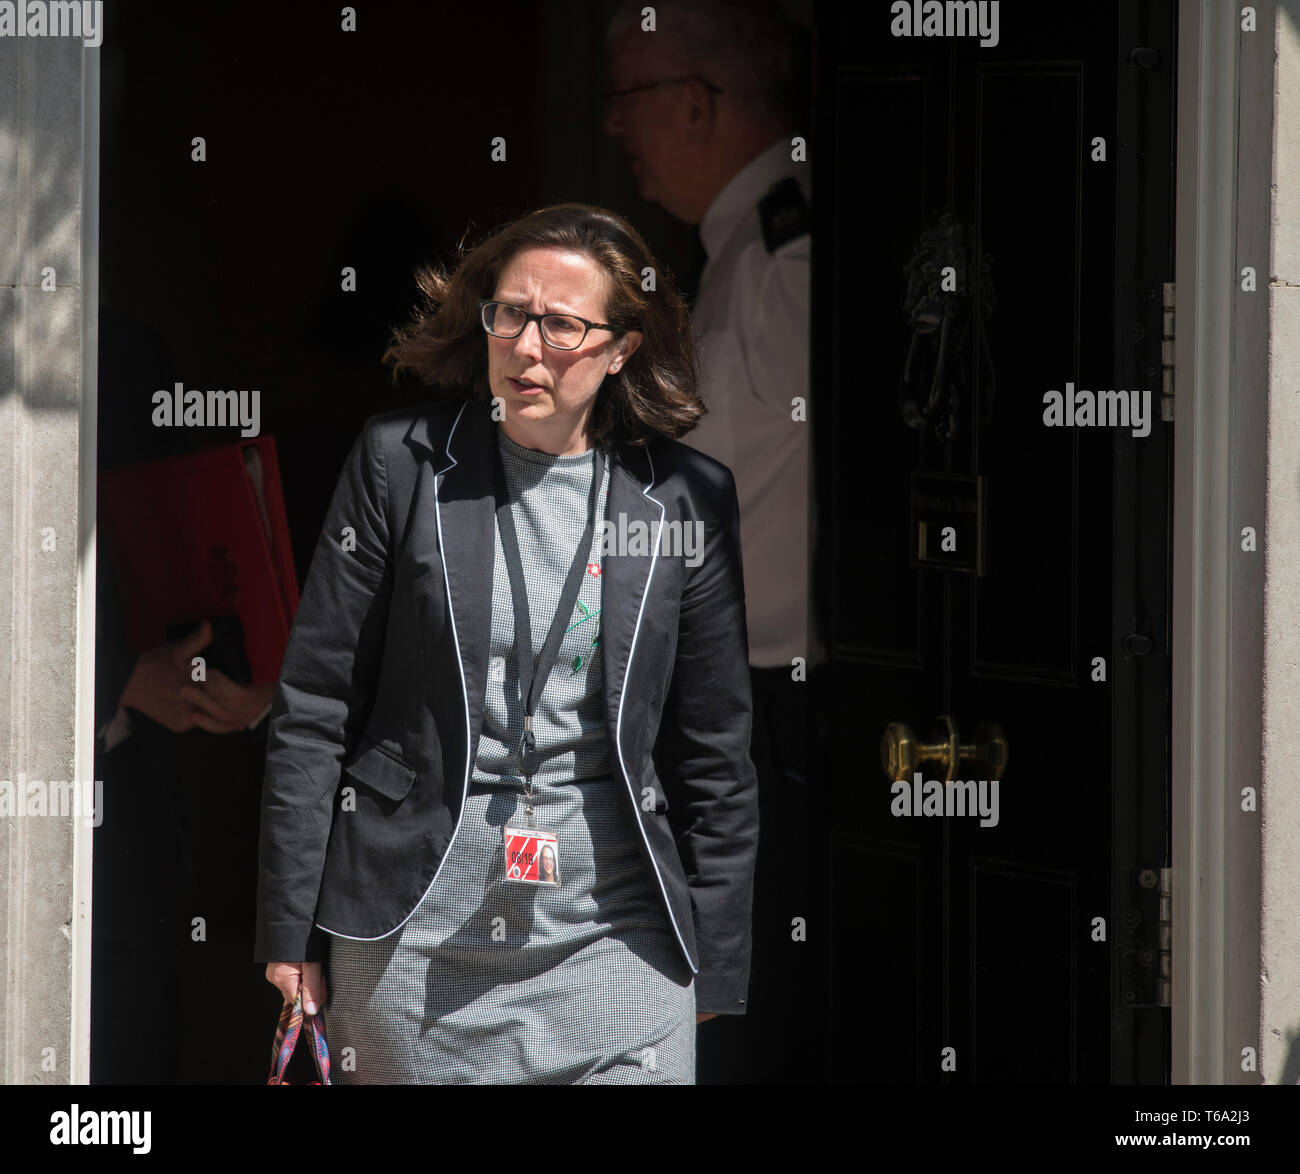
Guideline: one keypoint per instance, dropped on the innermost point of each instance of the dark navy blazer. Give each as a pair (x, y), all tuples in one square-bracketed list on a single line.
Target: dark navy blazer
[(386, 667)]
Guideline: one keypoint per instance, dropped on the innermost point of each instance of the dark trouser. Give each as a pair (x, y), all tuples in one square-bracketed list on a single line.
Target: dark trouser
[(179, 842), (773, 1042), (136, 1009)]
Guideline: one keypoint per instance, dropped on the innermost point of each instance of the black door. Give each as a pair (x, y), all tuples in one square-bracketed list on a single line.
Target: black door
[(995, 589)]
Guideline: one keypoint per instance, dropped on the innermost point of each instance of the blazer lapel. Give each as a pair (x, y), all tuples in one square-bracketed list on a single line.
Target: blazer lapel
[(466, 526), (626, 573)]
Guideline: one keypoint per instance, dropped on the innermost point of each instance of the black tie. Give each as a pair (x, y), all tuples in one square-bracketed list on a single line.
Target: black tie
[(695, 267)]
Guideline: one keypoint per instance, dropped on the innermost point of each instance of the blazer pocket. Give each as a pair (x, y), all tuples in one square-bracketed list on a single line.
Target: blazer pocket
[(381, 771)]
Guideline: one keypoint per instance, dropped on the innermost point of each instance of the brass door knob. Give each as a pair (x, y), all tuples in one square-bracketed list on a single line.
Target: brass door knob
[(902, 753)]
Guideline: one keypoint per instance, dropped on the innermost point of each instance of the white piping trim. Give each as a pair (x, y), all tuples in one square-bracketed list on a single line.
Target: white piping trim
[(618, 725), (451, 611)]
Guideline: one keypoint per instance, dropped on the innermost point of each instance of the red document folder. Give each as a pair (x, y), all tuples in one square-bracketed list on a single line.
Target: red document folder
[(200, 536)]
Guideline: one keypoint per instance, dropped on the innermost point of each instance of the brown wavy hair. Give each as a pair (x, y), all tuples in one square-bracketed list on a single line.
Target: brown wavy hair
[(654, 393)]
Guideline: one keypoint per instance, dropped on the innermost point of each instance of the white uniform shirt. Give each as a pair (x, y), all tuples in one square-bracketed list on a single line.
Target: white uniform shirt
[(751, 325)]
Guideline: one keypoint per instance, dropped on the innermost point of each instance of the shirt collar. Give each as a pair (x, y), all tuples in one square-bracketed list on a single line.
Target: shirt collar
[(742, 192)]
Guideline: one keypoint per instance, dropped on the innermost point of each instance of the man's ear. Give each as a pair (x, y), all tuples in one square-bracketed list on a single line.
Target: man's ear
[(699, 107)]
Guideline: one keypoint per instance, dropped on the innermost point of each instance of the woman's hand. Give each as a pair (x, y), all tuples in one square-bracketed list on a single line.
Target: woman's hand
[(702, 1016), (287, 976)]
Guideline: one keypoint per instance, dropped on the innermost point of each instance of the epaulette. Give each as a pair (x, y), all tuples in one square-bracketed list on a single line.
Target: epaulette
[(784, 214)]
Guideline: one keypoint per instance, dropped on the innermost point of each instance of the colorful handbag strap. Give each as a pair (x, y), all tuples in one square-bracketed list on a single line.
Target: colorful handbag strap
[(286, 1039)]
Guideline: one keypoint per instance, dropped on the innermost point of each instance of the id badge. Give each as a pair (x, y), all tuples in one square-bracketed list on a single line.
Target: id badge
[(532, 857)]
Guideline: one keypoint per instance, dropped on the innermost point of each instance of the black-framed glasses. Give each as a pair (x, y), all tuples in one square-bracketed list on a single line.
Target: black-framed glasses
[(668, 81), (565, 332)]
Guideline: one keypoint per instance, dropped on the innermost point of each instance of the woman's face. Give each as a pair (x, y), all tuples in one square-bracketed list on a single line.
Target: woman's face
[(556, 407), (548, 862)]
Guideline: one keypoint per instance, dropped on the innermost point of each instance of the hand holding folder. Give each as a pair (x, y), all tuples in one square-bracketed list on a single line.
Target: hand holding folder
[(204, 536)]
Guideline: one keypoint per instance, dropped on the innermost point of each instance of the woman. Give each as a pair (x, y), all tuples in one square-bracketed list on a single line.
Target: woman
[(546, 866), (537, 505)]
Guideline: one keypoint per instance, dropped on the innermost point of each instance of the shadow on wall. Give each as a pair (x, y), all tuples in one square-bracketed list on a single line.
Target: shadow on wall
[(1291, 1070)]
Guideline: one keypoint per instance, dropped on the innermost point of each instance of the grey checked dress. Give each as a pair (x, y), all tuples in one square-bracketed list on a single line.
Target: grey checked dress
[(490, 981)]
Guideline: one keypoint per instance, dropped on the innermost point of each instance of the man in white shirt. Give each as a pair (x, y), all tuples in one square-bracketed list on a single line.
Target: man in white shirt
[(702, 105)]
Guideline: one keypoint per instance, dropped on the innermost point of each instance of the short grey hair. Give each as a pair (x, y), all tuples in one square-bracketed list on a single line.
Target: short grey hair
[(745, 46)]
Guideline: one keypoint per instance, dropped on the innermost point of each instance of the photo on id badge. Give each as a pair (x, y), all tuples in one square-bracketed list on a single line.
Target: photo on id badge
[(532, 857)]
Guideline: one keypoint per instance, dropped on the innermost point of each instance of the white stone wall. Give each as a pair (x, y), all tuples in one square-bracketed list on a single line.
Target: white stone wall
[(1279, 977), (44, 861)]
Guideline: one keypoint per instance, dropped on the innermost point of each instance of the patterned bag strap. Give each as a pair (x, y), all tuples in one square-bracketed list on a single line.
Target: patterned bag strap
[(320, 1049), (286, 1038)]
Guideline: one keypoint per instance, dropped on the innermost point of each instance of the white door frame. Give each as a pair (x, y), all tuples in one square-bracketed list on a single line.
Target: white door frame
[(88, 474), (1221, 456)]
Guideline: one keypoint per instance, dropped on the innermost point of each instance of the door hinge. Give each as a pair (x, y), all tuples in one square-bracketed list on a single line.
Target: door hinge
[(1167, 354), (1166, 935), (1143, 940)]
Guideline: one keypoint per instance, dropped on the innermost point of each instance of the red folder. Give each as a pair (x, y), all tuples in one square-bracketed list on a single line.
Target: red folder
[(200, 536)]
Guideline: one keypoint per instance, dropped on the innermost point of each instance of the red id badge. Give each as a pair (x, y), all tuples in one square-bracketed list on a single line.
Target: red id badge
[(532, 857)]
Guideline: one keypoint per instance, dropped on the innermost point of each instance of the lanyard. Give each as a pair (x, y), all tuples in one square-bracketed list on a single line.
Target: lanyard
[(532, 672)]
